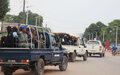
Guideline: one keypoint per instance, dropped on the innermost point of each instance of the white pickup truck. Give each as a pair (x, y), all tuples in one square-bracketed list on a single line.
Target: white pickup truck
[(75, 46), (95, 47)]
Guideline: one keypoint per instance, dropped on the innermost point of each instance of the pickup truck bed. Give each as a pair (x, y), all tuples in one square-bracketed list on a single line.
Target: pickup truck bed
[(23, 54), (12, 59)]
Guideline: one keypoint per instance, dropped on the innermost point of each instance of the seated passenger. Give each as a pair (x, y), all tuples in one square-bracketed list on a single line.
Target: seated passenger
[(3, 41), (15, 32), (58, 42), (35, 39), (15, 35), (22, 37), (41, 43), (28, 35)]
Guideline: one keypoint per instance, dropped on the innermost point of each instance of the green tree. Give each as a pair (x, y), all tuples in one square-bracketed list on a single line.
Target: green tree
[(10, 18), (112, 29), (114, 23), (18, 19), (93, 28), (4, 8), (31, 18)]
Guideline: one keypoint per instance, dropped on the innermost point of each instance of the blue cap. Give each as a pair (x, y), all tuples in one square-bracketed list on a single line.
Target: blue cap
[(23, 27)]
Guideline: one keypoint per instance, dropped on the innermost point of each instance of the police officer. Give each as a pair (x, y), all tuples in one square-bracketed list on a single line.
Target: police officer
[(22, 37)]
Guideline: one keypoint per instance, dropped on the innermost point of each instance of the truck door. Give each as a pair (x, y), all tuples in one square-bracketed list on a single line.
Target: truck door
[(57, 53)]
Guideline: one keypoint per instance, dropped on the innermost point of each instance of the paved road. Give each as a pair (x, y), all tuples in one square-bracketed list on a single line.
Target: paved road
[(109, 65)]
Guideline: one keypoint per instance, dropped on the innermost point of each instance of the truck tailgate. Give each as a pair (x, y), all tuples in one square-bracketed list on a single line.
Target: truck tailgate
[(12, 54)]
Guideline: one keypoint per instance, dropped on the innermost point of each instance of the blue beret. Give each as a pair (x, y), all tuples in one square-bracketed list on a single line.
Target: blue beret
[(23, 26)]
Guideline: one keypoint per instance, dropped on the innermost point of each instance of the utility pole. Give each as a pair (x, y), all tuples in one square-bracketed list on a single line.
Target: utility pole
[(92, 36), (36, 21), (27, 17), (96, 34), (116, 35), (103, 36), (89, 36), (23, 11), (39, 21)]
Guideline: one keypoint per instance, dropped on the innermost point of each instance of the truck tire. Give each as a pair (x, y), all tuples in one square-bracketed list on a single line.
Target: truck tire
[(73, 57), (85, 57), (39, 67), (33, 69), (101, 54), (90, 54), (8, 73), (64, 64)]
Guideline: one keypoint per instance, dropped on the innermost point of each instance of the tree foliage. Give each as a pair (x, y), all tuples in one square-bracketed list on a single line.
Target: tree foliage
[(4, 8), (18, 18), (110, 30), (94, 28)]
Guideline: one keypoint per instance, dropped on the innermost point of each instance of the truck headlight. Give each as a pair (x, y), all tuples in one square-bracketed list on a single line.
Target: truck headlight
[(68, 52)]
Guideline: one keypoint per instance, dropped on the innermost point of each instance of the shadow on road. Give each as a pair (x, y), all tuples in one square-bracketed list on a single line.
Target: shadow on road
[(26, 73), (94, 57), (47, 71), (79, 61)]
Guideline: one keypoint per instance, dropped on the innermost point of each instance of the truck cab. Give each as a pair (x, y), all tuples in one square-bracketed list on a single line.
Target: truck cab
[(33, 59), (74, 44)]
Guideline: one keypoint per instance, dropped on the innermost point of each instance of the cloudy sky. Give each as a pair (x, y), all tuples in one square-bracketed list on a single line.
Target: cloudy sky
[(71, 16)]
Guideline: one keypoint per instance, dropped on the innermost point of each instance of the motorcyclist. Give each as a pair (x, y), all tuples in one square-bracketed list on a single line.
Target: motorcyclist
[(114, 48)]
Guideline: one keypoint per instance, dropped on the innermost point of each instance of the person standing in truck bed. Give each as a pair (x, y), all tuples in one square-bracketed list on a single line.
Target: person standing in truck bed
[(22, 36)]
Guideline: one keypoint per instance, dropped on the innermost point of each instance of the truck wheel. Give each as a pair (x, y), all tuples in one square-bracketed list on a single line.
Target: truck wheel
[(90, 55), (33, 69), (101, 54), (73, 57), (64, 64), (8, 73), (40, 67), (85, 57)]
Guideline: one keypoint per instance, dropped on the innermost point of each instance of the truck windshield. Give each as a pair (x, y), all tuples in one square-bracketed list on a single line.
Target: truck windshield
[(93, 42)]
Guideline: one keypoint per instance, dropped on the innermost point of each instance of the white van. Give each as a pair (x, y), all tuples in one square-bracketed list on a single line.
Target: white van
[(74, 45), (95, 47)]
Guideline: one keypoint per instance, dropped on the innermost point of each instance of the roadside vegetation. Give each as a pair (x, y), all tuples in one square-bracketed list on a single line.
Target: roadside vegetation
[(109, 31), (4, 8), (18, 18)]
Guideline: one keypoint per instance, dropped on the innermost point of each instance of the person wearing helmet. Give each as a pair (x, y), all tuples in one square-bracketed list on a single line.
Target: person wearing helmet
[(22, 36)]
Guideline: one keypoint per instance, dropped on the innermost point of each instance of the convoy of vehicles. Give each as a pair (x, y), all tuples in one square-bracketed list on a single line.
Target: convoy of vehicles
[(42, 48), (95, 47), (13, 57), (74, 44)]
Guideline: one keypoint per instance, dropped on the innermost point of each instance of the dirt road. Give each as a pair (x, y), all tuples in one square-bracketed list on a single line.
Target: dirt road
[(109, 65)]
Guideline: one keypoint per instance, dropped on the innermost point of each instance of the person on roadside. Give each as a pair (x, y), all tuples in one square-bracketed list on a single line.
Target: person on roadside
[(114, 48)]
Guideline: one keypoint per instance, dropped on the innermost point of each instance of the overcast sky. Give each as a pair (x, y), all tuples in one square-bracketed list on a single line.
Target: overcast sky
[(71, 16)]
